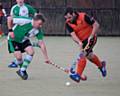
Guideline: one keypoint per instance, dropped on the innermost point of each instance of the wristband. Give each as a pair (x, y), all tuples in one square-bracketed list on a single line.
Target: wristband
[(10, 30)]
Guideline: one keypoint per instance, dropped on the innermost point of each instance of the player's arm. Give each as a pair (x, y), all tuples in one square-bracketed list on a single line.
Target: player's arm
[(42, 45), (95, 28), (10, 23), (91, 21), (74, 36), (44, 50)]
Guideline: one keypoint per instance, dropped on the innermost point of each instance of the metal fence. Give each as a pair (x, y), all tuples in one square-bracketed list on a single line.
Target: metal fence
[(109, 20), (107, 14)]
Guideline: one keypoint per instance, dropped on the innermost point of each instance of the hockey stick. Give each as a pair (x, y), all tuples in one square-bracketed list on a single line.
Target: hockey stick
[(83, 78)]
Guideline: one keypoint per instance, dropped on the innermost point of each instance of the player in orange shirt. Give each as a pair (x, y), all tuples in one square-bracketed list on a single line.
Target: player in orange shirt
[(83, 30), (2, 14)]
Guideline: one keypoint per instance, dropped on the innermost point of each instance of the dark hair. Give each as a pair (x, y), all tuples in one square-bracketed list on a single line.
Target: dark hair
[(39, 17), (69, 10), (1, 7)]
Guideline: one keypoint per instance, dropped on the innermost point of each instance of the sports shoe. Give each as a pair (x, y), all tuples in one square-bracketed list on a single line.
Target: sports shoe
[(73, 67), (22, 74), (12, 65), (72, 71), (75, 77), (103, 69)]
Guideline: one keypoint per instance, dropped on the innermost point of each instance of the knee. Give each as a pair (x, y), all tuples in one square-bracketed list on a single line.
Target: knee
[(29, 50), (90, 56), (18, 57), (82, 55), (82, 58), (31, 53)]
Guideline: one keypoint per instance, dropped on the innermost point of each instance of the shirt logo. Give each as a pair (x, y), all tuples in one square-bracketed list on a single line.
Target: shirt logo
[(23, 11)]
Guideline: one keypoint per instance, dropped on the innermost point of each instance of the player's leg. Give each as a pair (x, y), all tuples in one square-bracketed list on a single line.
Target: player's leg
[(21, 73), (18, 56), (27, 59), (15, 63), (10, 25), (10, 22), (13, 46), (74, 63), (94, 58), (80, 66), (100, 64)]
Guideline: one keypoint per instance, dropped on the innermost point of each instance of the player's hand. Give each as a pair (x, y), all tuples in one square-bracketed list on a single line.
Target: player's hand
[(11, 34), (48, 62), (80, 45), (91, 39)]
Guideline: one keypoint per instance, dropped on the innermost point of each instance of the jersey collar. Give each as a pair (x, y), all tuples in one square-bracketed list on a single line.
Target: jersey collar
[(22, 5)]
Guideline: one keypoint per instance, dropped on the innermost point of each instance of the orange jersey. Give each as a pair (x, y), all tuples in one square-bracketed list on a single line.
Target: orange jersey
[(82, 29)]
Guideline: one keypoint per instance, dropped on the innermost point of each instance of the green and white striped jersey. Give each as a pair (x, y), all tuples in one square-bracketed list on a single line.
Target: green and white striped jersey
[(21, 13), (25, 10), (23, 32)]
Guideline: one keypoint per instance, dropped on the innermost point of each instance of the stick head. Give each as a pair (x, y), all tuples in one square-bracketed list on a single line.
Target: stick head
[(67, 70)]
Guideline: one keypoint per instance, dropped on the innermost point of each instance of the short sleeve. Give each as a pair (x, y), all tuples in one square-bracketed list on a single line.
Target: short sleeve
[(11, 12), (40, 35), (69, 29), (89, 20), (32, 11)]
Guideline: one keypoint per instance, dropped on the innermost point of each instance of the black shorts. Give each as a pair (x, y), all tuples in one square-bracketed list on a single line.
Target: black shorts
[(15, 46), (90, 46)]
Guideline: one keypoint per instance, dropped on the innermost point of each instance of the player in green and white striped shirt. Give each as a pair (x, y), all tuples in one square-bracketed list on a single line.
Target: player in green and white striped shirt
[(21, 14), (19, 42)]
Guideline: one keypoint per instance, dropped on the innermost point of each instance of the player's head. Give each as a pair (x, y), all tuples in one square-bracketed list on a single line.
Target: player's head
[(1, 7), (20, 2), (70, 13), (38, 21)]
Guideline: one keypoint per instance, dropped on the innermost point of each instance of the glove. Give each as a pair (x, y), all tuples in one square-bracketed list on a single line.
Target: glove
[(48, 62), (91, 39), (11, 34)]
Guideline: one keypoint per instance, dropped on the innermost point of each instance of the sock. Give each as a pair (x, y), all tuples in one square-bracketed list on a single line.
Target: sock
[(18, 62), (73, 64), (27, 60), (81, 65), (96, 61)]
